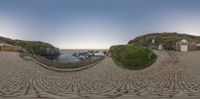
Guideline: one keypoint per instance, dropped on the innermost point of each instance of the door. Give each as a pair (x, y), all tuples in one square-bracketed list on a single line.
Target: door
[(184, 48)]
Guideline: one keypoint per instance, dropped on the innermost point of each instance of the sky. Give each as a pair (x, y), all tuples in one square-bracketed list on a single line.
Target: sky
[(95, 24)]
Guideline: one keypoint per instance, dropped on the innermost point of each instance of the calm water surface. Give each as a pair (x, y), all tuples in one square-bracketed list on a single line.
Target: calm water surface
[(66, 56)]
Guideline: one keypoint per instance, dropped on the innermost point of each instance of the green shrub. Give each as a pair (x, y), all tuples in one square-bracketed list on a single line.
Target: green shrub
[(132, 57), (34, 47)]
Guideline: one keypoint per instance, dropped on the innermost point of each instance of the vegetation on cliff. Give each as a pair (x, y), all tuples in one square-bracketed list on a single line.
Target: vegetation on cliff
[(34, 47), (132, 56), (167, 39)]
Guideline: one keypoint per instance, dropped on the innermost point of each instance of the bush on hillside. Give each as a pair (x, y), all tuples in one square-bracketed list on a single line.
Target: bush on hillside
[(167, 39), (34, 47), (132, 57)]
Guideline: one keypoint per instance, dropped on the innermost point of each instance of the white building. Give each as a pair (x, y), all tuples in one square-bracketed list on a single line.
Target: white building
[(160, 47), (153, 41), (184, 45)]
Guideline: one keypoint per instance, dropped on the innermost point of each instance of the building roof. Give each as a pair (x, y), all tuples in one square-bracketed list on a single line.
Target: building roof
[(184, 41)]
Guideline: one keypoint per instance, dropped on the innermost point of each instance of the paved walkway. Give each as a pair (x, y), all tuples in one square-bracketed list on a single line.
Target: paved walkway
[(174, 75)]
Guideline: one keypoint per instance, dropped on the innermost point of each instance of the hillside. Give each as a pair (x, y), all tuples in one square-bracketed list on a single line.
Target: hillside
[(166, 38), (132, 56), (34, 47), (137, 54)]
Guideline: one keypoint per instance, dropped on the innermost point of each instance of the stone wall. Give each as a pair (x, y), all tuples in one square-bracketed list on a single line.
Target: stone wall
[(10, 48)]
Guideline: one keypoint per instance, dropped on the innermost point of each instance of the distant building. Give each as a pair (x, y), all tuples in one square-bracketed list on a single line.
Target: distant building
[(153, 41), (185, 46), (182, 45), (160, 47), (8, 47)]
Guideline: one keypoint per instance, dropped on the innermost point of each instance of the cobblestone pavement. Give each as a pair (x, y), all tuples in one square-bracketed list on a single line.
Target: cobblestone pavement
[(173, 75)]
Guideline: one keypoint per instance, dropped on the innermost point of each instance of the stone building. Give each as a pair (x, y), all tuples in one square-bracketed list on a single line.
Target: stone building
[(185, 45)]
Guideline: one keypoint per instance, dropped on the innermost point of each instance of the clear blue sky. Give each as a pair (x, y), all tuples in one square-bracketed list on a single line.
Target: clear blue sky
[(88, 24)]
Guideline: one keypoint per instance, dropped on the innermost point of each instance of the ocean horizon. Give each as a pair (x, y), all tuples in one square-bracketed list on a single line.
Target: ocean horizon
[(66, 55)]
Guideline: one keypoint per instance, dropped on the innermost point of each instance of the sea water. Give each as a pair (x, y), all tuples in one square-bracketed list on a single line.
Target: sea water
[(67, 56)]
